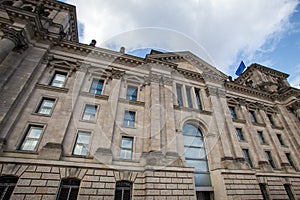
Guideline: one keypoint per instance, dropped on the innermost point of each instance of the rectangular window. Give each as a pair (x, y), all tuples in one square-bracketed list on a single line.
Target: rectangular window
[(264, 191), (179, 95), (129, 118), (97, 86), (289, 191), (289, 157), (198, 99), (240, 134), (270, 159), (189, 97), (82, 143), (232, 112), (271, 119), (90, 113), (58, 79), (32, 138), (261, 137), (131, 93), (252, 116), (280, 139), (46, 106), (126, 148), (247, 157)]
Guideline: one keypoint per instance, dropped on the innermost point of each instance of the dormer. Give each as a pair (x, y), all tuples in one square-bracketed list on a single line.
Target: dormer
[(263, 78)]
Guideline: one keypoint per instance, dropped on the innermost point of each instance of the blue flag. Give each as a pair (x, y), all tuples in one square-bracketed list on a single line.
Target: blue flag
[(240, 69)]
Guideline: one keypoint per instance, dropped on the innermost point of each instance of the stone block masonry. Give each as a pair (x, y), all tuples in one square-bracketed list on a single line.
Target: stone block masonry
[(43, 181)]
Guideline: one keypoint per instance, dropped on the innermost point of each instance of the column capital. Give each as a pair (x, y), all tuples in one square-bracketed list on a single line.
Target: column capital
[(16, 36)]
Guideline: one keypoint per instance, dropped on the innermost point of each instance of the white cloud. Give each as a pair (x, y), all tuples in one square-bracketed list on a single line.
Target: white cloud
[(224, 28)]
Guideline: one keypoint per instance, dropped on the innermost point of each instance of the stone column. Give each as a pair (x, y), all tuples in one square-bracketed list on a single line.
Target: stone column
[(220, 121), (12, 39)]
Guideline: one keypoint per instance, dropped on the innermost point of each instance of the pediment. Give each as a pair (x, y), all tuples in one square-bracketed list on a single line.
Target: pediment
[(187, 61), (263, 78)]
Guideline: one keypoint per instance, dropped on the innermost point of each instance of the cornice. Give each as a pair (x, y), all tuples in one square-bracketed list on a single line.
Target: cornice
[(191, 75), (97, 53), (52, 88), (232, 86)]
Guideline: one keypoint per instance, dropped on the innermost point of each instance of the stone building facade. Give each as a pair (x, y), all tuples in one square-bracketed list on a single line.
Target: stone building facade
[(77, 121)]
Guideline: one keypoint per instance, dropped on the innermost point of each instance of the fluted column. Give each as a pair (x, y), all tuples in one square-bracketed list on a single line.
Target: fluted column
[(11, 39)]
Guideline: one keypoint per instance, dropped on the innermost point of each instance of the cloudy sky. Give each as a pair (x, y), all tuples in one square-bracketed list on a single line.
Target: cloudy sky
[(222, 32)]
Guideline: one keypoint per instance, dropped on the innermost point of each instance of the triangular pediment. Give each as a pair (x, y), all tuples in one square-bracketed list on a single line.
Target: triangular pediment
[(263, 78), (187, 61)]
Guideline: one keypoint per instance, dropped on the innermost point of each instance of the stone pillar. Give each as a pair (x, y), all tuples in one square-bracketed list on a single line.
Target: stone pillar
[(220, 121), (261, 158), (104, 154), (12, 39)]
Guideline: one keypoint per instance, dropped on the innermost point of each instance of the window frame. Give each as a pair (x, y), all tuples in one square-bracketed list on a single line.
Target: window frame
[(280, 139), (128, 96), (84, 112), (233, 113), (126, 122), (179, 95), (240, 134), (198, 97), (289, 191), (8, 186), (264, 191), (38, 108), (247, 157), (54, 76), (271, 119), (25, 134), (75, 143), (95, 89), (291, 160), (261, 137), (253, 116), (189, 96), (270, 159), (76, 186), (118, 188), (126, 148)]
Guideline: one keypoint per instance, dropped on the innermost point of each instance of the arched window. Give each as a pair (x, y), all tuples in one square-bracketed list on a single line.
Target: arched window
[(7, 186), (123, 190), (68, 189), (195, 155)]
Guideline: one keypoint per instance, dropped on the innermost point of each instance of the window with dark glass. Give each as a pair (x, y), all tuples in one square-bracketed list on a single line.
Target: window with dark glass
[(261, 137), (264, 191), (189, 97), (289, 191), (7, 186), (289, 157), (68, 189), (97, 86), (280, 139), (271, 119), (32, 138), (131, 93), (270, 159), (129, 118), (253, 116), (82, 143), (123, 190), (46, 106), (179, 95), (58, 79), (240, 134), (89, 113), (198, 99), (232, 112), (247, 157), (195, 155), (126, 148)]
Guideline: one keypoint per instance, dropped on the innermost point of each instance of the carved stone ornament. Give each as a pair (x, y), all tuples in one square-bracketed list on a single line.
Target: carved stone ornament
[(17, 37), (159, 78)]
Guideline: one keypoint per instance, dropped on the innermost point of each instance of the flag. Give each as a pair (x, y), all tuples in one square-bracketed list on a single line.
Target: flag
[(240, 69)]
